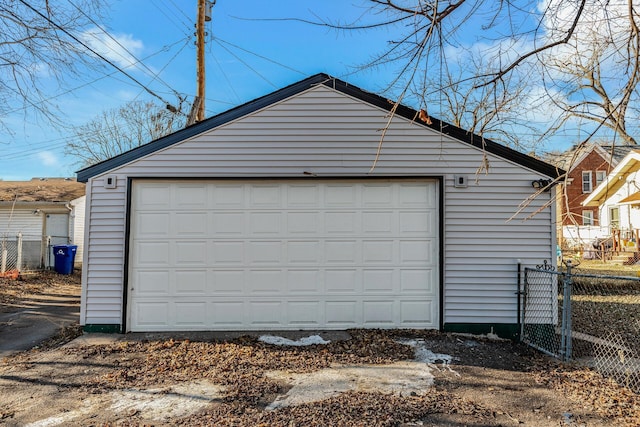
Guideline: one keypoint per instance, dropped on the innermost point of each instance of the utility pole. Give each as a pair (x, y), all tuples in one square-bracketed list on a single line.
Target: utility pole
[(199, 101)]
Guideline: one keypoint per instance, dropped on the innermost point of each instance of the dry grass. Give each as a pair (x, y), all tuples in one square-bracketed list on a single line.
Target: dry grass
[(14, 292)]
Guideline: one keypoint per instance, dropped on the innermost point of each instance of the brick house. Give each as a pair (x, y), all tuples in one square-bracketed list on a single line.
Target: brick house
[(587, 166)]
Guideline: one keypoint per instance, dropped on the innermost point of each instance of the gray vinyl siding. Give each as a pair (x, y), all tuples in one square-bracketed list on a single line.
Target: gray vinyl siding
[(21, 221), (329, 134)]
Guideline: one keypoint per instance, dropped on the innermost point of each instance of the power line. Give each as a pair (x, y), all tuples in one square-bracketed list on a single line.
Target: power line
[(163, 49), (245, 64), (152, 93), (137, 61), (219, 40), (186, 32)]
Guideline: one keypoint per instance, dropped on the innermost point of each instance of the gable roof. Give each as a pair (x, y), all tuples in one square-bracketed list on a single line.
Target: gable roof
[(53, 190), (571, 159), (613, 182), (319, 79)]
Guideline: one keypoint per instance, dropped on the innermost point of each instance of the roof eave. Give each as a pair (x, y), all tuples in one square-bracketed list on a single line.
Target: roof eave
[(608, 186)]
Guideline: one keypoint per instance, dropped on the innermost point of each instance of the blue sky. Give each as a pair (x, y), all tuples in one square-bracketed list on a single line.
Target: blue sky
[(247, 57), (252, 49)]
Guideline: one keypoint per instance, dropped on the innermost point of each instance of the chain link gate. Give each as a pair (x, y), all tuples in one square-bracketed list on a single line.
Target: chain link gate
[(587, 318)]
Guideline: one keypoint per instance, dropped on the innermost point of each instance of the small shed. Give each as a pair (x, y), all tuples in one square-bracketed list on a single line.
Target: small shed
[(37, 214), (271, 216)]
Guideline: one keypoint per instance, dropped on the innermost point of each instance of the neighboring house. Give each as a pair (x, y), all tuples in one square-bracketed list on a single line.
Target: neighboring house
[(40, 213), (272, 216), (617, 200), (586, 166)]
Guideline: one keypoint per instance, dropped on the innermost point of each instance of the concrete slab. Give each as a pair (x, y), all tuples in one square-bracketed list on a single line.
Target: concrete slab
[(36, 321)]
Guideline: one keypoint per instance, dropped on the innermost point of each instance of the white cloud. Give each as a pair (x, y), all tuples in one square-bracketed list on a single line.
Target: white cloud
[(47, 158), (117, 48)]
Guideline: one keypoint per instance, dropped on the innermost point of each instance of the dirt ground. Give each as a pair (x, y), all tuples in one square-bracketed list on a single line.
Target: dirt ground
[(361, 377)]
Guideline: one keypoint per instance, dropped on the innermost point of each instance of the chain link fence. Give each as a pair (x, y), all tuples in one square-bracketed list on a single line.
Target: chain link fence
[(587, 318), (25, 252)]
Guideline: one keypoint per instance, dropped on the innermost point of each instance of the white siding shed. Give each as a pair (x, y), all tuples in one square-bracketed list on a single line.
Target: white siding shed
[(270, 216)]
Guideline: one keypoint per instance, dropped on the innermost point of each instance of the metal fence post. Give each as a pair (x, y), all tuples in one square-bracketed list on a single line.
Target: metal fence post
[(565, 330), (19, 256), (3, 256)]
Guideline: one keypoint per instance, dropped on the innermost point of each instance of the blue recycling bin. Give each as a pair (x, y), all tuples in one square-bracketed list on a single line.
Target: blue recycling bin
[(64, 258)]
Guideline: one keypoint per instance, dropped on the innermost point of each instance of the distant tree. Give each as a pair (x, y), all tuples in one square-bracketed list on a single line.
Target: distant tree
[(36, 47), (583, 54), (118, 130), (493, 112)]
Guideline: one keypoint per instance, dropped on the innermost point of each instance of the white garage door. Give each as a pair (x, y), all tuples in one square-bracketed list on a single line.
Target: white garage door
[(247, 255)]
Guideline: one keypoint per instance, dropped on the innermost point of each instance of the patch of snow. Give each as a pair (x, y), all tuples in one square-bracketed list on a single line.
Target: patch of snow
[(311, 340), (405, 378), (424, 355)]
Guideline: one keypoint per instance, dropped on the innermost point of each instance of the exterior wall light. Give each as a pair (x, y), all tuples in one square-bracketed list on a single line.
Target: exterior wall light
[(542, 183)]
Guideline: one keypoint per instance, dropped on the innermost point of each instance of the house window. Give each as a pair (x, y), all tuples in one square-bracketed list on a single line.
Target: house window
[(614, 218), (600, 176), (587, 217), (586, 182)]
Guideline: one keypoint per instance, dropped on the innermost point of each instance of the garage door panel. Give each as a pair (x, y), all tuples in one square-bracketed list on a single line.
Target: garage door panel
[(340, 195), (228, 224), (423, 222), (228, 314), (266, 196), (416, 251), (343, 314), (266, 314), (265, 223), (191, 253), (418, 312), (266, 282), (379, 313), (304, 252), (152, 253), (342, 281), (190, 315), (153, 225), (304, 282), (152, 315), (283, 255), (303, 196), (228, 196), (264, 252), (341, 251), (378, 252), (227, 282), (376, 195), (191, 224), (190, 282), (191, 196), (418, 281), (151, 283), (227, 253), (379, 281), (153, 196), (305, 314), (342, 223), (302, 223)]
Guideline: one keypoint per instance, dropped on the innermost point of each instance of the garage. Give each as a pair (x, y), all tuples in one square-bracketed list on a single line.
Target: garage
[(317, 206), (283, 254)]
